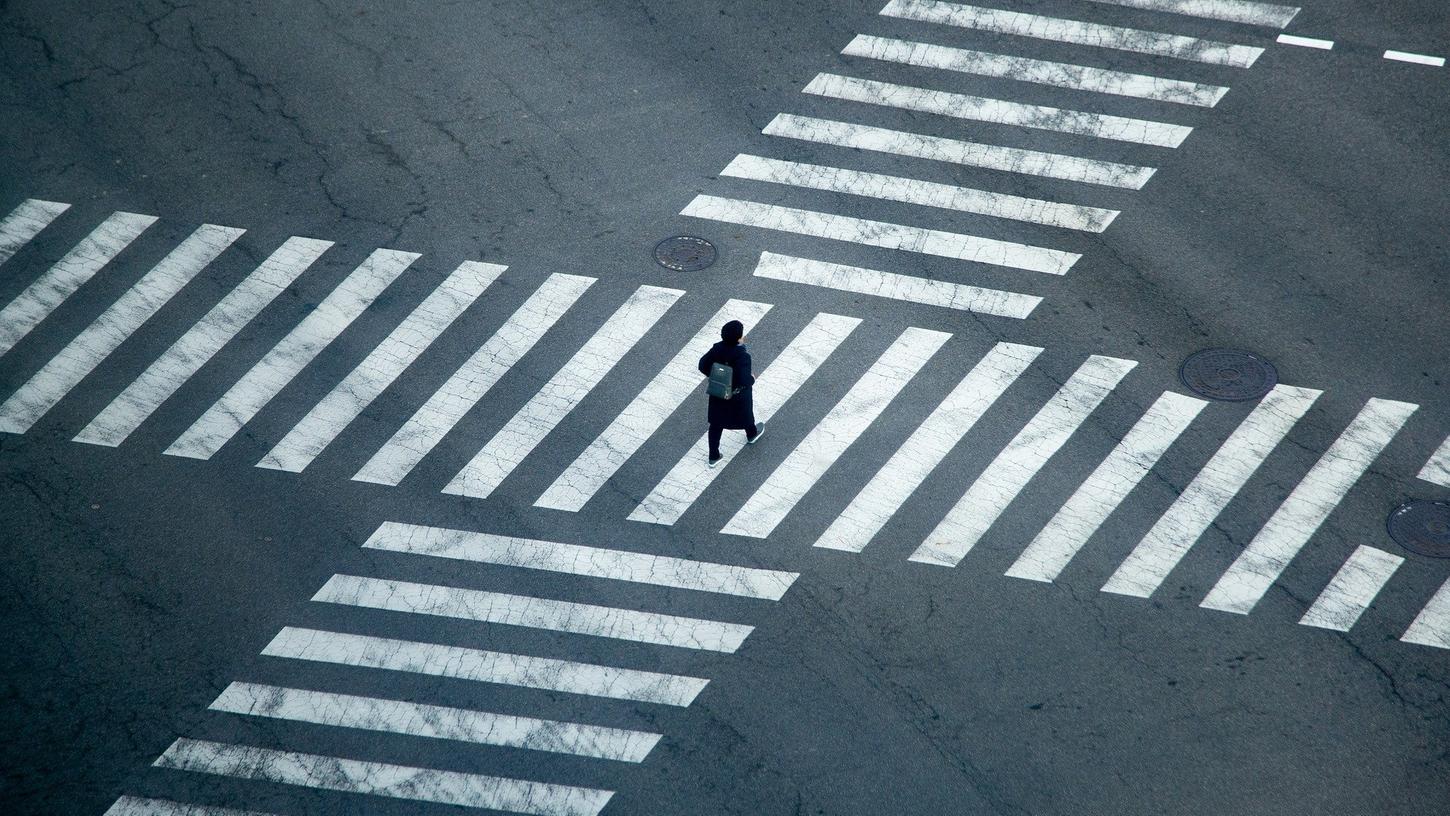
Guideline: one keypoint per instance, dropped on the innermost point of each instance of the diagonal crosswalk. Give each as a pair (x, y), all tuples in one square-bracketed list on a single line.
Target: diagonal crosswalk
[(25, 222)]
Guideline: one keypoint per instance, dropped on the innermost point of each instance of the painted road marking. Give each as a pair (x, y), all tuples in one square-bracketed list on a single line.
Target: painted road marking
[(1233, 11), (1437, 467), (383, 365), (1432, 626), (644, 414), (25, 222), (1422, 59), (1210, 491), (562, 393), (1317, 494), (1306, 42), (898, 287), (1352, 589), (137, 806), (845, 423), (1016, 464), (882, 234), (1111, 482), (119, 321), (292, 353)]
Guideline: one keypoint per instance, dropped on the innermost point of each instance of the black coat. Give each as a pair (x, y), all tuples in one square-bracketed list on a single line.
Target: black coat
[(736, 413)]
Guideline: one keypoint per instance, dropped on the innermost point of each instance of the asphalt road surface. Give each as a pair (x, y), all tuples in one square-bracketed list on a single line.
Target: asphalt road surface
[(351, 450)]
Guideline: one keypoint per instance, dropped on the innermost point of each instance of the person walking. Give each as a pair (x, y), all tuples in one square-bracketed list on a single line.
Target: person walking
[(727, 367)]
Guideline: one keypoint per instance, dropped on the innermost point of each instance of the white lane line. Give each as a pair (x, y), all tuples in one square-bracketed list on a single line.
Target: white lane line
[(1016, 465), (382, 779), (897, 287), (482, 666), (292, 353), (1111, 482), (1074, 32), (1232, 11), (79, 265), (836, 432), (1306, 42), (924, 193), (435, 722), (1352, 589), (1437, 467), (119, 321), (1432, 626), (882, 234), (576, 559), (644, 414), (690, 476), (1422, 59), (929, 444), (1210, 491), (968, 154), (200, 342), (533, 613), (1040, 72), (1312, 500), (383, 365), (985, 109), (478, 374), (137, 806), (562, 393), (25, 222)]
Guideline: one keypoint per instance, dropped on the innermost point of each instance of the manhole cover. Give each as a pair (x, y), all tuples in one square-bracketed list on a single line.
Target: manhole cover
[(685, 253), (1228, 374), (1422, 527)]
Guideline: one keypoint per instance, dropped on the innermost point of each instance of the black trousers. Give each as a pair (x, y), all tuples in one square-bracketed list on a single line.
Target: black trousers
[(714, 437)]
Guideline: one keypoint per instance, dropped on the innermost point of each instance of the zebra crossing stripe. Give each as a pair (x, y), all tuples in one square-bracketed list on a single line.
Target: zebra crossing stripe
[(1432, 626), (836, 432), (1437, 467), (1074, 32), (1016, 464), (864, 281), (382, 779), (25, 222), (576, 559), (120, 320), (1232, 11), (882, 234), (435, 722), (79, 265), (137, 806), (1102, 492), (383, 365), (478, 374), (955, 151), (924, 193), (644, 415), (271, 374), (1210, 491), (1317, 494), (562, 393), (1041, 72), (689, 478), (929, 444), (1349, 593)]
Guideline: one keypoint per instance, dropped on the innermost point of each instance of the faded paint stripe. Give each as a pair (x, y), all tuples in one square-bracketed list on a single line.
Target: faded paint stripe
[(25, 222), (1232, 11), (1352, 589), (897, 287)]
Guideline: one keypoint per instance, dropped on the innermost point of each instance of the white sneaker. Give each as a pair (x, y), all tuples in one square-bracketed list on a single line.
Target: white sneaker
[(759, 432)]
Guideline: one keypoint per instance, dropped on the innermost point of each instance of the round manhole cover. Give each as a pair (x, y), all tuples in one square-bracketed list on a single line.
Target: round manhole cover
[(685, 253), (1228, 374), (1422, 527)]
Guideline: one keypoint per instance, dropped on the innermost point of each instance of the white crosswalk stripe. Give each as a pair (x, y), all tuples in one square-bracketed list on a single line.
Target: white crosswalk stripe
[(1233, 11), (1432, 626), (1352, 589), (1437, 467), (25, 222), (897, 287), (138, 806)]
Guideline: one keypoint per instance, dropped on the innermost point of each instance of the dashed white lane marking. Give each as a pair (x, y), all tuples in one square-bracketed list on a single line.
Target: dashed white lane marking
[(1432, 626), (438, 660), (119, 321), (897, 287), (1422, 59), (1437, 467), (882, 234), (576, 559), (382, 779), (979, 508), (292, 353), (1317, 494), (1111, 482), (1352, 589), (998, 111), (1040, 72), (836, 432), (929, 444), (25, 222), (201, 342), (138, 806), (435, 722), (533, 613), (644, 414), (689, 478), (1075, 32), (478, 374), (1210, 491), (562, 393), (79, 265), (969, 154), (1306, 42), (387, 360), (1233, 11), (924, 193)]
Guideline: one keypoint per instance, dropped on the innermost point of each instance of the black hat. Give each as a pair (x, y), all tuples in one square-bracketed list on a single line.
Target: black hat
[(732, 332)]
